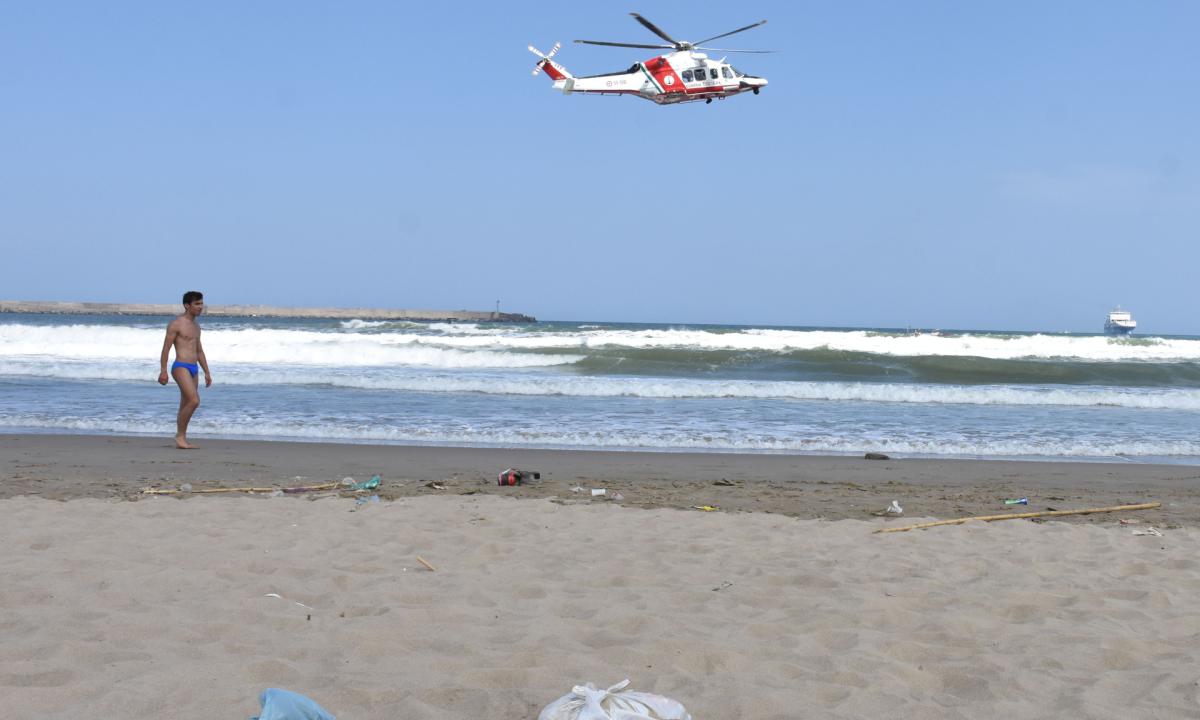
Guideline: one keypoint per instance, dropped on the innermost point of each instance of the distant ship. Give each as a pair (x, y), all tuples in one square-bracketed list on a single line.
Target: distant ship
[(1119, 322)]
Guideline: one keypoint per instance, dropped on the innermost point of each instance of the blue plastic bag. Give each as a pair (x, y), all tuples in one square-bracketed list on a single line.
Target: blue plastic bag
[(286, 705)]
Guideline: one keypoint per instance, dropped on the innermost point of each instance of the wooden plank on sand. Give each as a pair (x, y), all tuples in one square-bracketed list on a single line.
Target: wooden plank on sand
[(1017, 516)]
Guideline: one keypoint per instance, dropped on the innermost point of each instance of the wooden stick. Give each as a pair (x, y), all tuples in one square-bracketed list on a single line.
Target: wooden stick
[(1015, 516), (422, 561), (174, 491)]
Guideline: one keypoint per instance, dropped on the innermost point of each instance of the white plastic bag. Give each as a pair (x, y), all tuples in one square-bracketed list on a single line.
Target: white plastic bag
[(586, 702)]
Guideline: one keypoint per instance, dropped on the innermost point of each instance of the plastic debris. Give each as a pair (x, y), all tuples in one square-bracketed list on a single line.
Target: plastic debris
[(894, 508), (618, 496), (364, 500), (1151, 531), (365, 485), (597, 492), (706, 508), (286, 705), (186, 487), (587, 702), (577, 489), (277, 595), (1018, 501), (516, 476)]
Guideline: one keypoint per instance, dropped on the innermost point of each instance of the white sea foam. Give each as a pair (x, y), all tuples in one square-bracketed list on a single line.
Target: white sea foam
[(488, 382), (264, 346), (351, 347), (622, 440)]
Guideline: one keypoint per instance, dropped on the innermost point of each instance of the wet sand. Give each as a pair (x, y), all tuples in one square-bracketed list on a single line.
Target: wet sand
[(77, 466)]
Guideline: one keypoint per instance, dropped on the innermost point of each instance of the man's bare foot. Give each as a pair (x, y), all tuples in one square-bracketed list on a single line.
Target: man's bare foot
[(183, 444)]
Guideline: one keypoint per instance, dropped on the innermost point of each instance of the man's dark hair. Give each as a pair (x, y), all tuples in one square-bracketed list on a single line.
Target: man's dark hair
[(192, 296)]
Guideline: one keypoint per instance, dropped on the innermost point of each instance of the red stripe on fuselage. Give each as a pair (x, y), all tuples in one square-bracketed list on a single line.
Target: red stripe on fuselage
[(660, 69), (551, 70)]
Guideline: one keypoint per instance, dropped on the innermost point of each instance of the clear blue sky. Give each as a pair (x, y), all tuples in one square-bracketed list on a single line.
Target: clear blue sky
[(1020, 165)]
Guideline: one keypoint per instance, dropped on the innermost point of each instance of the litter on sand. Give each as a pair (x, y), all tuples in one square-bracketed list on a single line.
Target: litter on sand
[(277, 595), (428, 567), (363, 500), (286, 705), (516, 476), (597, 492), (587, 702), (705, 508), (893, 509), (364, 485), (1152, 531)]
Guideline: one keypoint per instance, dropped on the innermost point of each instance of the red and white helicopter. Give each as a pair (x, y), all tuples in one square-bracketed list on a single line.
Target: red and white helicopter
[(680, 76)]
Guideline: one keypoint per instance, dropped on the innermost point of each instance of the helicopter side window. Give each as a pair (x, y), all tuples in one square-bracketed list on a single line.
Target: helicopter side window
[(687, 75), (725, 72), (713, 73)]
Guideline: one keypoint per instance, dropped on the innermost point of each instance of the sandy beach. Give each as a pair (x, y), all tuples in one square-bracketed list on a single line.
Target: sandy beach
[(783, 605)]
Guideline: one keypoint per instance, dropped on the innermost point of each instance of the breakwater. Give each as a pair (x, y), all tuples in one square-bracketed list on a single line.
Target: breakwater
[(97, 308)]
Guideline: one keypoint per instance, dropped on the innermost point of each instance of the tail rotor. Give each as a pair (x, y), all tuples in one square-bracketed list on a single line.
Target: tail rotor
[(545, 57)]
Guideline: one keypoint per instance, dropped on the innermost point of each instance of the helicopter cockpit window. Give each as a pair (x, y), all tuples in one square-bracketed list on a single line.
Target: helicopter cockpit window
[(725, 72), (687, 75), (712, 73)]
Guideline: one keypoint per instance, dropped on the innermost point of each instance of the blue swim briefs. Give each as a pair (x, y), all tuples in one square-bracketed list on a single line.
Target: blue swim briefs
[(193, 368)]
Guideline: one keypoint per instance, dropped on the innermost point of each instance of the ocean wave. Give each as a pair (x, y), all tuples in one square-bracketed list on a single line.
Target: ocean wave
[(357, 324), (525, 384), (263, 346), (249, 343), (1071, 448)]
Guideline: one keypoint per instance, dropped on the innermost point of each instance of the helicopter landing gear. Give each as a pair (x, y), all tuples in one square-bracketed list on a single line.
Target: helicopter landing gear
[(755, 91)]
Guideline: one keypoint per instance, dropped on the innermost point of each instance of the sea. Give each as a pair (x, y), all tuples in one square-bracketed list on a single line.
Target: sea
[(620, 386)]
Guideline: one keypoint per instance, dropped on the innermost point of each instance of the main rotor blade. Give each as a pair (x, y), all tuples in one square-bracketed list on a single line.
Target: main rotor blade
[(654, 29), (736, 51), (734, 32), (632, 45)]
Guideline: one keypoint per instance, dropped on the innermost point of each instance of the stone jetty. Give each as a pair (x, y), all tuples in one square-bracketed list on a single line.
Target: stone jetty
[(266, 311)]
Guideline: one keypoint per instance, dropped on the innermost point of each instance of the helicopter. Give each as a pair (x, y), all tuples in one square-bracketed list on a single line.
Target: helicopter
[(683, 75)]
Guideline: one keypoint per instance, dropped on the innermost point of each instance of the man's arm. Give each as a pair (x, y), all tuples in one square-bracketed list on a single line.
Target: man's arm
[(172, 331), (203, 361)]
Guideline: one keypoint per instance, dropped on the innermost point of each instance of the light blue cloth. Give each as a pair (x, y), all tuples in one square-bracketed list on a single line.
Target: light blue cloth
[(286, 705)]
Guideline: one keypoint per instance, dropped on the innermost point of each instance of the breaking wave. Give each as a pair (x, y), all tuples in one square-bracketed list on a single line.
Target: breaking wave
[(620, 440)]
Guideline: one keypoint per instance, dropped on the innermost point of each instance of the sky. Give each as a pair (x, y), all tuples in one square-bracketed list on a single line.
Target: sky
[(994, 165)]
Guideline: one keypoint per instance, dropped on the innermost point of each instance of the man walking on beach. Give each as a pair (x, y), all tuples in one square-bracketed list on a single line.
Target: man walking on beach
[(184, 333)]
